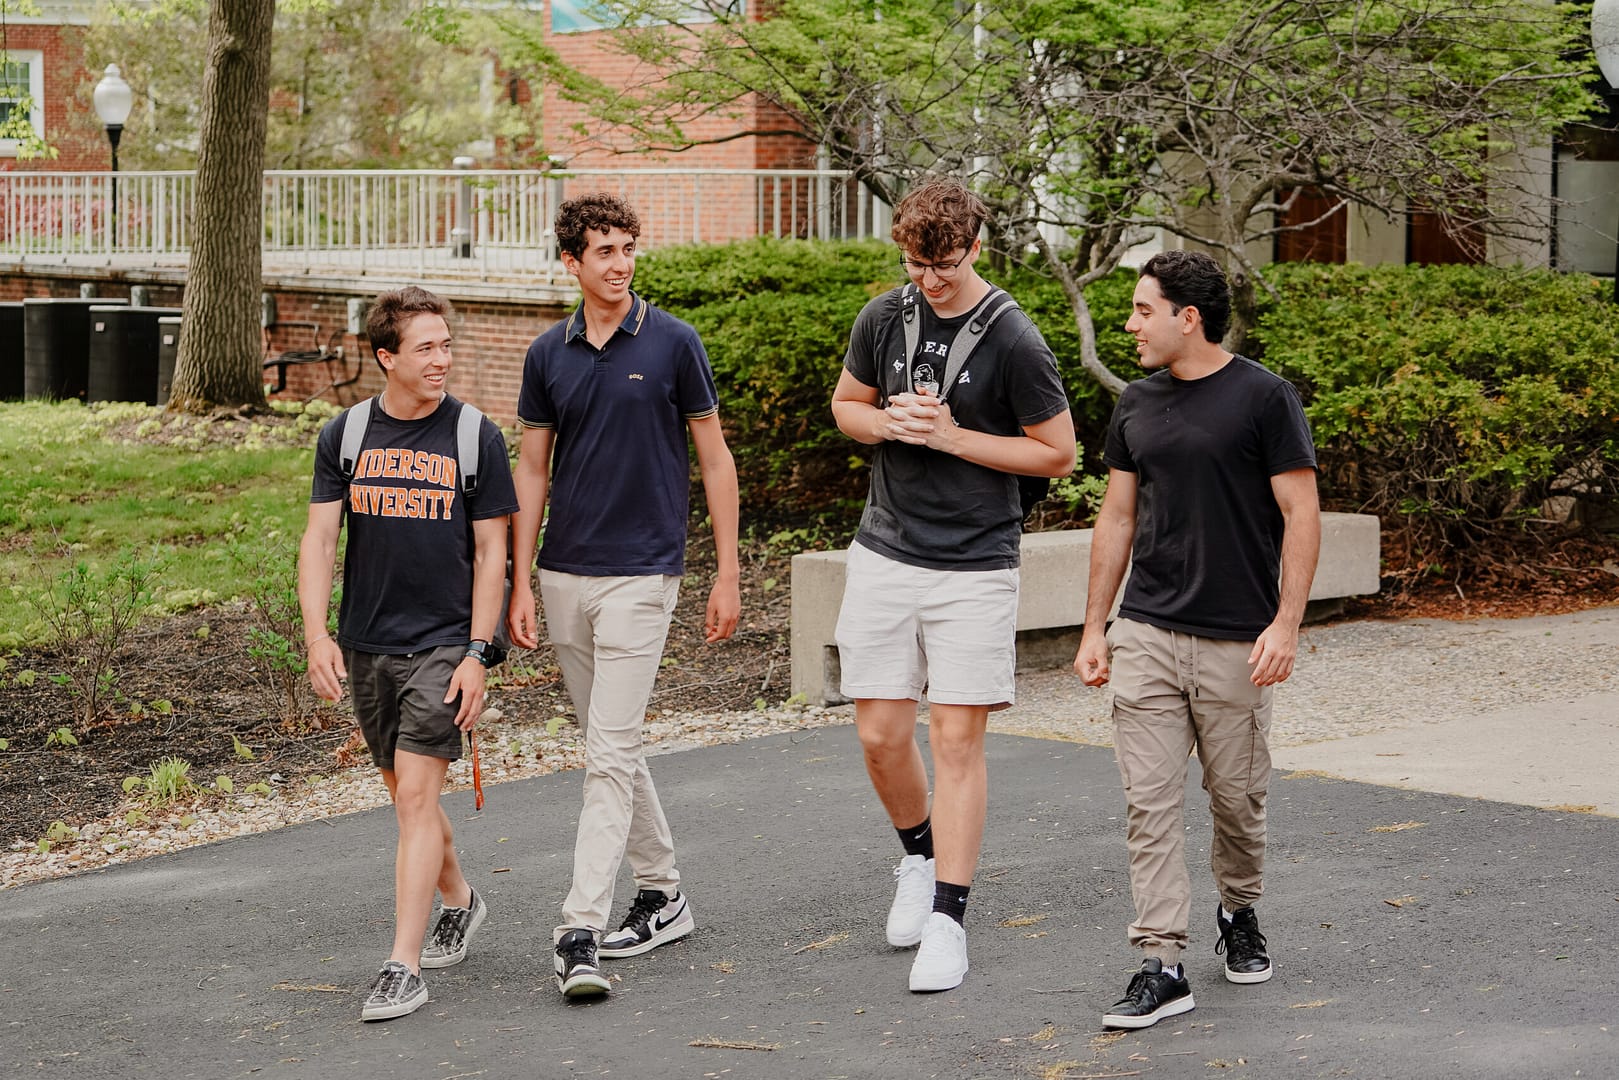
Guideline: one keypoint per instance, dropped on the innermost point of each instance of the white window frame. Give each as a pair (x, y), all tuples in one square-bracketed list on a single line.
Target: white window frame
[(35, 59)]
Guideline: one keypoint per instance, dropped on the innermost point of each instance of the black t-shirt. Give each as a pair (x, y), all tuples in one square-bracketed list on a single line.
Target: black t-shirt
[(1207, 553), (928, 508), (407, 573)]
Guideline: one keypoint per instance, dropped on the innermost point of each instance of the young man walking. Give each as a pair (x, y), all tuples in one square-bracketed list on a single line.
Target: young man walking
[(608, 398), (1211, 486), (422, 586), (931, 592)]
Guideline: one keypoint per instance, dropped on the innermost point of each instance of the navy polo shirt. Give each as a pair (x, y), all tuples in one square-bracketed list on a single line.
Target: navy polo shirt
[(620, 470)]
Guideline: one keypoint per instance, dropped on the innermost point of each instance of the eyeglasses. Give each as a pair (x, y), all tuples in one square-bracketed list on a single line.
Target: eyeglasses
[(942, 270)]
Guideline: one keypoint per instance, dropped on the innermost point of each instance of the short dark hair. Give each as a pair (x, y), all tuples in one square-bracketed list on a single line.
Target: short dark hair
[(936, 217), (385, 322), (1193, 279), (599, 212)]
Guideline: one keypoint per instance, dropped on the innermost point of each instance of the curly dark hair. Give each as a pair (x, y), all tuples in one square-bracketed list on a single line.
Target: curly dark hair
[(937, 217), (1193, 279), (385, 322), (599, 212)]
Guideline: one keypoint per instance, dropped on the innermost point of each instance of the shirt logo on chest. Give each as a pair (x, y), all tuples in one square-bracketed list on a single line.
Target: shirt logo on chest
[(637, 376)]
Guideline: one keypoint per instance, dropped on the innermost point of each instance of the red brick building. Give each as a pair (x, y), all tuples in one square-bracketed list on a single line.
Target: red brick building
[(44, 61)]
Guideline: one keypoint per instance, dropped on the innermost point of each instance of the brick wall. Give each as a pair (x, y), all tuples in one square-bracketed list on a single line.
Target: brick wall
[(70, 119), (491, 336), (731, 209)]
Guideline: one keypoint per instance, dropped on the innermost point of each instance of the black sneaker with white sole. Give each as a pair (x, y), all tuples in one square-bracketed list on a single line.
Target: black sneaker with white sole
[(654, 919), (1243, 945), (578, 974), (448, 944), (1151, 997), (396, 991)]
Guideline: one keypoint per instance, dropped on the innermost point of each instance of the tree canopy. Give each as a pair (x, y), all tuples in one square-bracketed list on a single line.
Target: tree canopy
[(1086, 125), (353, 84)]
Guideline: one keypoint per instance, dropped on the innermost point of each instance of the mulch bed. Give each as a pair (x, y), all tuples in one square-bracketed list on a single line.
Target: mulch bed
[(219, 695)]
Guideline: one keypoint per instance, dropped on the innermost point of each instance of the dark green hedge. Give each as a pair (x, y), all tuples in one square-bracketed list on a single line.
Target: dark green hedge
[(1451, 400), (775, 316)]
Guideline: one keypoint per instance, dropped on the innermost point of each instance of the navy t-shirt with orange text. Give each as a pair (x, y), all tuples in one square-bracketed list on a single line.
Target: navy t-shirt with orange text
[(407, 573)]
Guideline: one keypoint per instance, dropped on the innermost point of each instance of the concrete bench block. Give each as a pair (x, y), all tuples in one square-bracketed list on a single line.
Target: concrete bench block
[(1052, 593)]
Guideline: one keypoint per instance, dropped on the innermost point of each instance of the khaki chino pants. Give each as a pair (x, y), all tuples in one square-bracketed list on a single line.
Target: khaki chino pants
[(608, 633), (1174, 692)]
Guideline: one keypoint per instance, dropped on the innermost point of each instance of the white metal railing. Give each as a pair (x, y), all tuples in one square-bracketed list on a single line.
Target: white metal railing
[(428, 222)]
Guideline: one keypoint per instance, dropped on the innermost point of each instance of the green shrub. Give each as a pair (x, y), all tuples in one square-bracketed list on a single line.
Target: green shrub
[(1450, 400), (775, 317)]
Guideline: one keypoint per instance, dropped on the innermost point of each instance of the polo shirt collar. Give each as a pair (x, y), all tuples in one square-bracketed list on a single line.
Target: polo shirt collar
[(631, 324)]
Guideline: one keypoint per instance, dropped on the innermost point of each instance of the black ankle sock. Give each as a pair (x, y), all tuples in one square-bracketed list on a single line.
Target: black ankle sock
[(951, 899), (918, 839)]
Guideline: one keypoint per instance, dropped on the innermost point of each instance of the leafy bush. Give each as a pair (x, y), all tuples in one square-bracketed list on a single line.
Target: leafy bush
[(775, 316), (1450, 400)]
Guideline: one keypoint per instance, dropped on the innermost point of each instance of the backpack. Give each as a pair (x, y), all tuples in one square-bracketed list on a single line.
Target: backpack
[(1031, 489), (356, 421)]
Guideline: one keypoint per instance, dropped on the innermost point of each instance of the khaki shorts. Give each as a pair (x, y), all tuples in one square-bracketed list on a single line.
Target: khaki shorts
[(904, 628), (399, 702)]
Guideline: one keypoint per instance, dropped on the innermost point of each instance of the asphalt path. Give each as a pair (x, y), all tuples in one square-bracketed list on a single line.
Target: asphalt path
[(1414, 935)]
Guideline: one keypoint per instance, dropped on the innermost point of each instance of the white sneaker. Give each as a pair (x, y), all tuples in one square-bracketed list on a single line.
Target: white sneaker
[(913, 901), (941, 962)]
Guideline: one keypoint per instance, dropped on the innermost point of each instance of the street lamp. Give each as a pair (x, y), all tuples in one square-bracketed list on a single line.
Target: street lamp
[(114, 99), (1605, 43)]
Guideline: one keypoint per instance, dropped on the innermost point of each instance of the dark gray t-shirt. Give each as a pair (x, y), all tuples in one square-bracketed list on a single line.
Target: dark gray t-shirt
[(928, 508), (1208, 543), (407, 573)]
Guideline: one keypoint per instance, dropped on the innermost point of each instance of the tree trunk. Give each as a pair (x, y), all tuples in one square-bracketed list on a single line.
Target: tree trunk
[(221, 346)]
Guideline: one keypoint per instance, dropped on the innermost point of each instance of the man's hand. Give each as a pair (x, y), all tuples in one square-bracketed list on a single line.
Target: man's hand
[(1273, 655), (724, 609), (1091, 662), (467, 682), (326, 670), (522, 621)]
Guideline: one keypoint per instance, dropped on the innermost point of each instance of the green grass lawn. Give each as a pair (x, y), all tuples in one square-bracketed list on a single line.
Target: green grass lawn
[(95, 483)]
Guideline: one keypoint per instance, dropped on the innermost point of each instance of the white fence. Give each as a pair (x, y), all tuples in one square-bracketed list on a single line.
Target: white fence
[(461, 223)]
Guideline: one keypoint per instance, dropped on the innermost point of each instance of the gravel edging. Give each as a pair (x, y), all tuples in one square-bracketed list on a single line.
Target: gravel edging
[(1351, 678), (509, 749)]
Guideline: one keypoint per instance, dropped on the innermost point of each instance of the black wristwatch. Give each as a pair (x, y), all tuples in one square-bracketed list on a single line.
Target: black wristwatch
[(479, 651)]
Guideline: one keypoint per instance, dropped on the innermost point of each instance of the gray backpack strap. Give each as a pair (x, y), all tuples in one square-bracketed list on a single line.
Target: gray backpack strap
[(355, 422), (468, 428), (989, 311), (910, 305)]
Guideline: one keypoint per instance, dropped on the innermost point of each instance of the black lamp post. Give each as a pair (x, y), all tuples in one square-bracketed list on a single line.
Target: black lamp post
[(113, 100), (1605, 43)]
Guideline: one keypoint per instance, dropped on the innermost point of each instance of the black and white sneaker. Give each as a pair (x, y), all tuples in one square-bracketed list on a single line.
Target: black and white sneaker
[(396, 991), (1152, 995), (577, 972), (456, 925), (654, 919), (1243, 945)]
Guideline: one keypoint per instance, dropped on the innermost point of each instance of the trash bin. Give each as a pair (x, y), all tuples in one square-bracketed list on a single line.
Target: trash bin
[(11, 350), (123, 353), (168, 349), (56, 346)]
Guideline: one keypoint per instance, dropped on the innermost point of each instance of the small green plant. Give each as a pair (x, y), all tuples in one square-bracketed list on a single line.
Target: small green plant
[(5, 744), (224, 785), (169, 781), (258, 788), (267, 562), (90, 613), (242, 750), (60, 832), (62, 736)]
